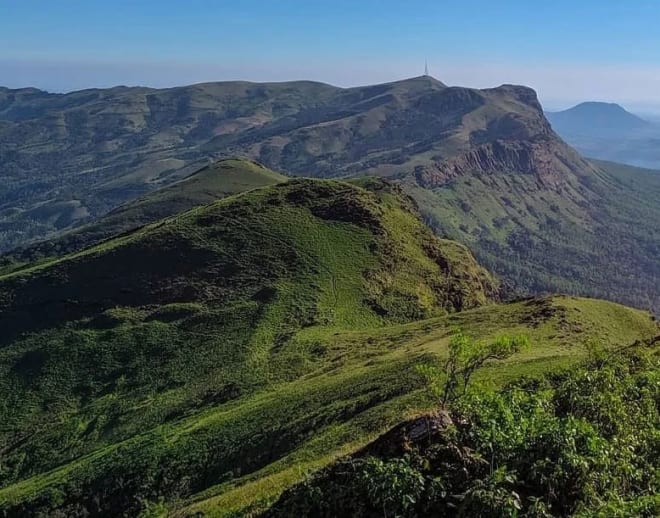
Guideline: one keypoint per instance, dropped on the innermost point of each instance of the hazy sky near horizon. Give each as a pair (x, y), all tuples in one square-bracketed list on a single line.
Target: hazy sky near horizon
[(568, 51)]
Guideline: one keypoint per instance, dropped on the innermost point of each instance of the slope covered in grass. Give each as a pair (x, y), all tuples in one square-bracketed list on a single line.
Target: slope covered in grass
[(205, 362), (204, 448), (208, 308), (218, 180)]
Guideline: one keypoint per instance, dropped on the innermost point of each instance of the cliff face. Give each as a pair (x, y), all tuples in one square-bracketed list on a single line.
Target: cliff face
[(544, 158), (506, 132), (420, 128)]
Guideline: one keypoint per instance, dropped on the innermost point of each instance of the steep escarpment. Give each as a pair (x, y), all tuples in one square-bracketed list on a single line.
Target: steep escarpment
[(506, 133)]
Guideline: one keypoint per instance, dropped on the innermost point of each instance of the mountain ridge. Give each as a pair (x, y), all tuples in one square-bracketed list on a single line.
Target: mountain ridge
[(435, 140)]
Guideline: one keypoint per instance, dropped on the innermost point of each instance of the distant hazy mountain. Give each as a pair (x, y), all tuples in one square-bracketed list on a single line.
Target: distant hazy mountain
[(596, 119), (608, 132)]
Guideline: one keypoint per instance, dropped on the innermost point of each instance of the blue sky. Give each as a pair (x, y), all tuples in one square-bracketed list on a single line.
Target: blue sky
[(568, 50)]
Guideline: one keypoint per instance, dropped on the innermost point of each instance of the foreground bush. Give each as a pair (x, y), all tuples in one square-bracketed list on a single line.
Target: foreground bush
[(581, 443)]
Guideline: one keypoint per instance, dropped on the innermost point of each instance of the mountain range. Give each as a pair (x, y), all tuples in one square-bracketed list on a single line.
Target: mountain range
[(67, 158), (209, 292), (484, 166)]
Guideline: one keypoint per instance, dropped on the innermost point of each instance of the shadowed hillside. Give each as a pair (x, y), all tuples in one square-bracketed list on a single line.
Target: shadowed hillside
[(596, 235), (213, 182)]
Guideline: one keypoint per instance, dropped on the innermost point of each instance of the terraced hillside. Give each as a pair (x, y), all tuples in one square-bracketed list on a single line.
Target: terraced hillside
[(204, 362)]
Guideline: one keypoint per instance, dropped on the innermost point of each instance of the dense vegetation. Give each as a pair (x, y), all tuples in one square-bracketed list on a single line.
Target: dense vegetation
[(597, 235), (581, 442), (203, 362)]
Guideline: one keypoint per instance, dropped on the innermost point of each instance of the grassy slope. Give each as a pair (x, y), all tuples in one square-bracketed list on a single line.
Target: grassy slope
[(559, 328), (219, 180), (530, 207), (246, 451), (155, 330), (223, 352), (598, 236)]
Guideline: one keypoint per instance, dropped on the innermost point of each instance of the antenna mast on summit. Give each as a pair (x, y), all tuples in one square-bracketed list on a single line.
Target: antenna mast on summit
[(426, 68)]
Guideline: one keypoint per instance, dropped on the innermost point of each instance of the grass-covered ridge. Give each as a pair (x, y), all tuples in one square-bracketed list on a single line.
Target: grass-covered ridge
[(222, 449), (207, 308), (210, 183)]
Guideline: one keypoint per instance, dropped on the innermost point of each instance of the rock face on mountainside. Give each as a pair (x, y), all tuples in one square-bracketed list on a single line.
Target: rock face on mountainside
[(543, 157), (420, 126)]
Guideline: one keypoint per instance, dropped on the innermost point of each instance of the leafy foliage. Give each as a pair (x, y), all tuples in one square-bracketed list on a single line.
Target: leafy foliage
[(465, 356), (540, 447)]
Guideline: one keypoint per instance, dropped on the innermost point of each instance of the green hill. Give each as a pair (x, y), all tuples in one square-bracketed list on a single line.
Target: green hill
[(218, 180), (204, 362)]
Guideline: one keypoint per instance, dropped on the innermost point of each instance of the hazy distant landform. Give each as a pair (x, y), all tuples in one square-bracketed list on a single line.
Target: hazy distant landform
[(608, 132)]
